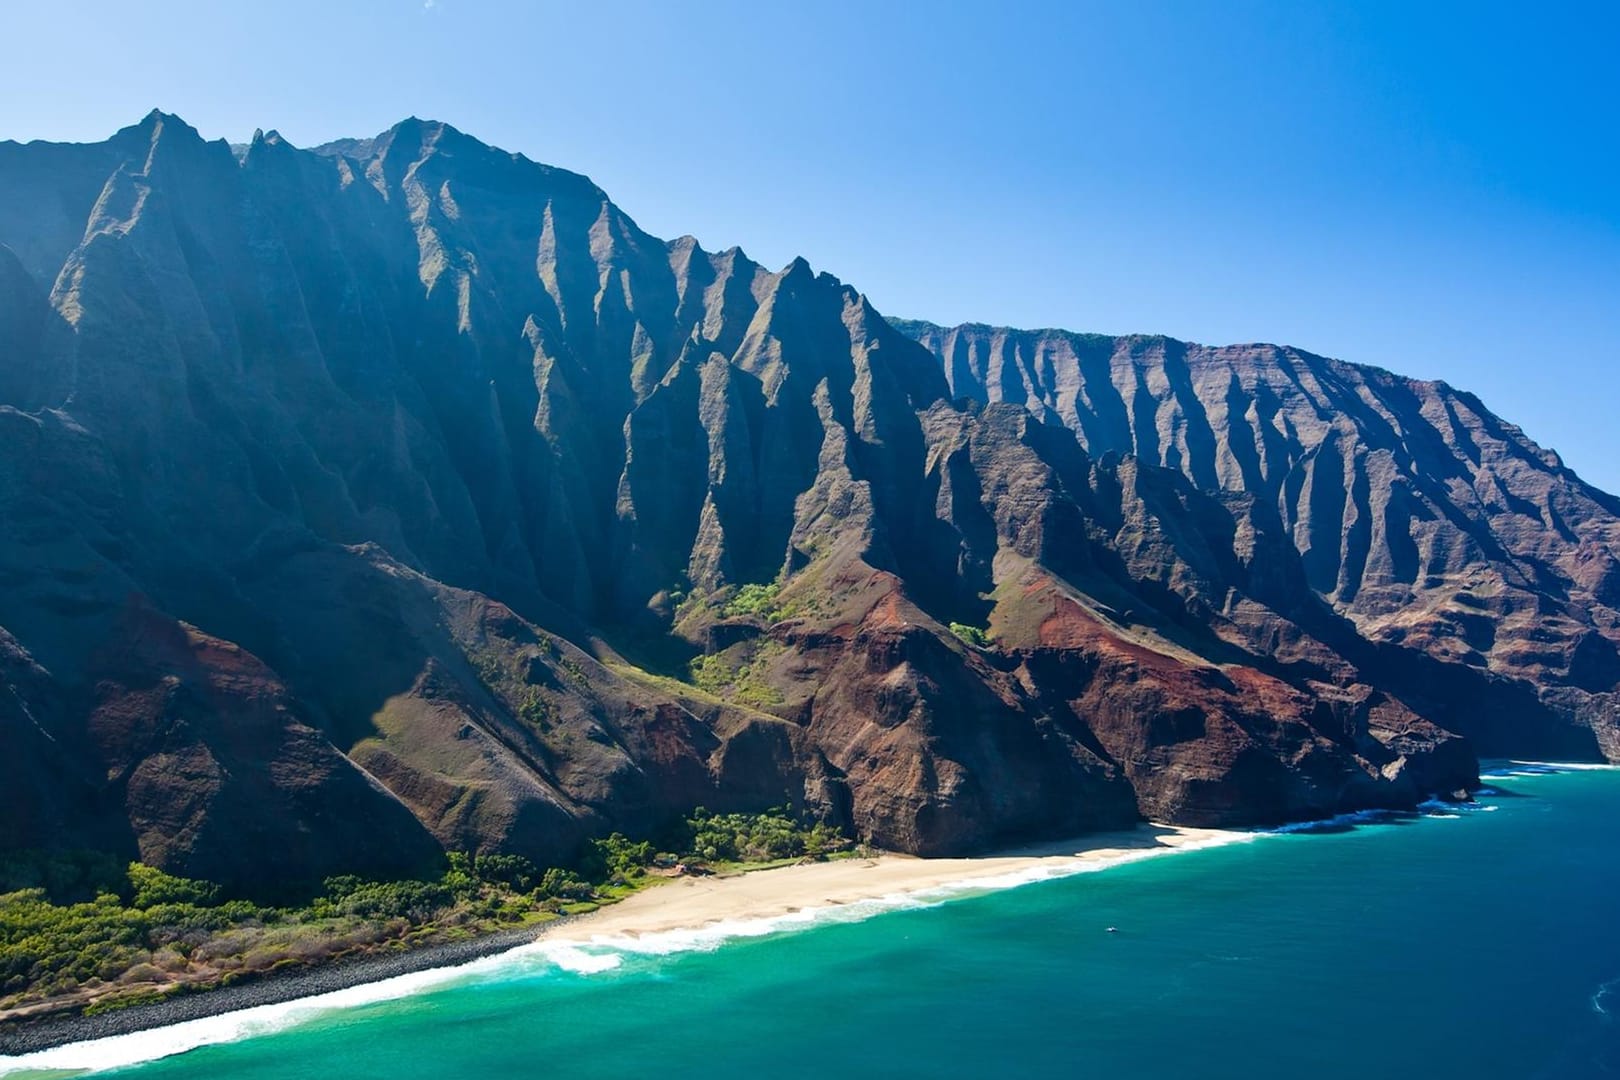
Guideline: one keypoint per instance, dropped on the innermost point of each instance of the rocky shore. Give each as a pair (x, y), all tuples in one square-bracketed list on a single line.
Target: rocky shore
[(26, 1036)]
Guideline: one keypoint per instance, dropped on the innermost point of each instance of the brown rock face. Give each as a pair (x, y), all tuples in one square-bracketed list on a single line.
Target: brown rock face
[(1462, 565), (359, 502)]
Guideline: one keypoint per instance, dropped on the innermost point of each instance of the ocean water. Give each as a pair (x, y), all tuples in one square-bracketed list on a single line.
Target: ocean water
[(1459, 943)]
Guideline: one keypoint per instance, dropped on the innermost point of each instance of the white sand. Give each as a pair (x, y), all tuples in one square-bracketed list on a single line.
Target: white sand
[(692, 903)]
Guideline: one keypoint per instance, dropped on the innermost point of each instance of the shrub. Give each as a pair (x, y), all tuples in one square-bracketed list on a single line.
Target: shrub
[(753, 600), (743, 682), (152, 887), (535, 711), (711, 673), (561, 884), (619, 857), (773, 834), (970, 634), (417, 901), (513, 871), (142, 972)]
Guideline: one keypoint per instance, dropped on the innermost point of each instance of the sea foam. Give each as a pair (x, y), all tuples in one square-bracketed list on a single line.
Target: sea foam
[(1506, 770), (1337, 822), (115, 1051)]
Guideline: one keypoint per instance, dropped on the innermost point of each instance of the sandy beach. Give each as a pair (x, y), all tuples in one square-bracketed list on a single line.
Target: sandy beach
[(682, 904), (693, 903)]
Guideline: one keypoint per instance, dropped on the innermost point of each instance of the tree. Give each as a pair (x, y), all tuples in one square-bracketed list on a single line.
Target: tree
[(971, 634), (153, 887)]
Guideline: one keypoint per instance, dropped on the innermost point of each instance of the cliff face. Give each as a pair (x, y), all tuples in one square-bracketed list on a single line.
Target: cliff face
[(1467, 567), (359, 503)]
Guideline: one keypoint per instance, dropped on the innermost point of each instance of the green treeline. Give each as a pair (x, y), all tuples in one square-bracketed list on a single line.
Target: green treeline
[(80, 928)]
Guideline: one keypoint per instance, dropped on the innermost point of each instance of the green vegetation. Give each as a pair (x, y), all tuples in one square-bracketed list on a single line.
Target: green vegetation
[(508, 676), (77, 931), (712, 673), (157, 933), (746, 838), (765, 602), (488, 663), (973, 635), (535, 710), (753, 600), (153, 887), (762, 601), (728, 675), (575, 671), (687, 600)]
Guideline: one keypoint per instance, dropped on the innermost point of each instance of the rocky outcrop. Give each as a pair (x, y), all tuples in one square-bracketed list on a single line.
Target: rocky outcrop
[(369, 501)]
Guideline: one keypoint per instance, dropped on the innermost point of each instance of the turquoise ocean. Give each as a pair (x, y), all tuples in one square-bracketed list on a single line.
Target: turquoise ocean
[(1458, 942)]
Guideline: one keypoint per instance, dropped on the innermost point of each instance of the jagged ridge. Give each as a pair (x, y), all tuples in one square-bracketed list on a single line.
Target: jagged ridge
[(410, 450)]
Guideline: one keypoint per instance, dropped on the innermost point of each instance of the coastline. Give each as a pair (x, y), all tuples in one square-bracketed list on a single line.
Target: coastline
[(683, 905), (694, 904), (272, 988)]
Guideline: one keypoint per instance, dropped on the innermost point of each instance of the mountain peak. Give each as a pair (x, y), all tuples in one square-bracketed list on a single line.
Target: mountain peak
[(430, 133), (157, 122), (147, 127), (798, 269)]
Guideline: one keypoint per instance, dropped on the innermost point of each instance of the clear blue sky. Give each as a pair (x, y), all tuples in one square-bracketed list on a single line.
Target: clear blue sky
[(1434, 188)]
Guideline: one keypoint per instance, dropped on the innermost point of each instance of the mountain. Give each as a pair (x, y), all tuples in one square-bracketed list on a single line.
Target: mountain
[(402, 495), (1433, 530)]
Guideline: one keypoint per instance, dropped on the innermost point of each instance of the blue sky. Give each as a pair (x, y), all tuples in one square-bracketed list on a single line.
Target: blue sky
[(1433, 188)]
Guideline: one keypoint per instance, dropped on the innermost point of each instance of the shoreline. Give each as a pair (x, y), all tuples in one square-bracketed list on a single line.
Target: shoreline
[(682, 905), (271, 988), (691, 905)]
